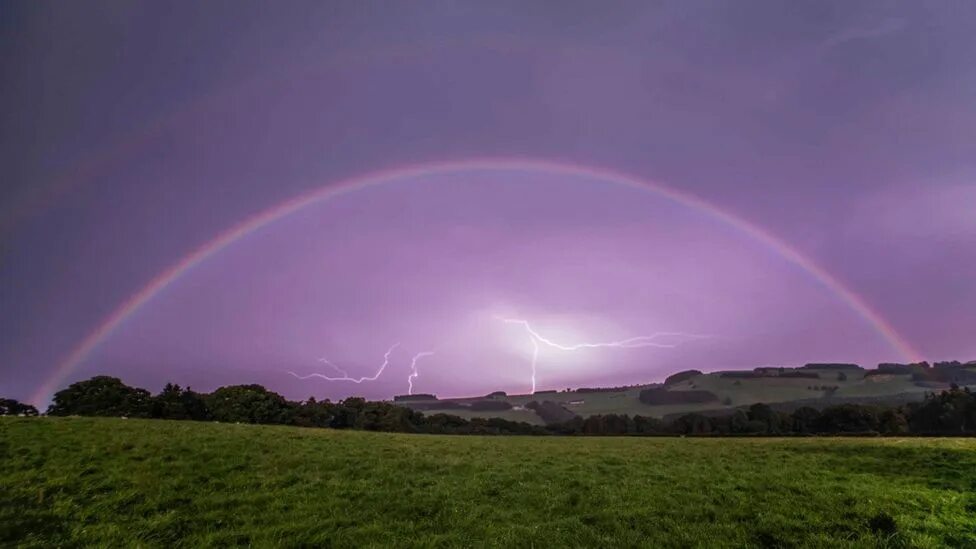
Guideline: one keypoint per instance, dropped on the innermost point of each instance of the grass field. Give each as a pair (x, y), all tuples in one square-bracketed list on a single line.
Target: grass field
[(112, 482)]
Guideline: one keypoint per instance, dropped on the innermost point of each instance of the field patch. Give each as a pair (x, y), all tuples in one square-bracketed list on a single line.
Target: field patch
[(86, 481)]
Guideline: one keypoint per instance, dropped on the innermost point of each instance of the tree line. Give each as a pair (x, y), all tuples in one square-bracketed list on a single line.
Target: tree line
[(949, 412)]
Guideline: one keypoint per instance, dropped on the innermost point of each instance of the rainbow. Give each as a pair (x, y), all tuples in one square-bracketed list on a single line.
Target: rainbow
[(131, 305)]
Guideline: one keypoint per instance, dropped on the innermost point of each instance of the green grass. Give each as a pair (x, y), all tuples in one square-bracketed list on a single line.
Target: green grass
[(111, 482)]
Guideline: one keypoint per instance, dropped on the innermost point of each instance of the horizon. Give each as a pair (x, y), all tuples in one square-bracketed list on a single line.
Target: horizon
[(331, 200), (542, 391)]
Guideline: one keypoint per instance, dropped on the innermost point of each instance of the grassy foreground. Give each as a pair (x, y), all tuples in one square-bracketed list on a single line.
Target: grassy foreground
[(112, 482)]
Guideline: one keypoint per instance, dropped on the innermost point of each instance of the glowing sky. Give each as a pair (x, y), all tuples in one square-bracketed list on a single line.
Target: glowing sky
[(135, 133)]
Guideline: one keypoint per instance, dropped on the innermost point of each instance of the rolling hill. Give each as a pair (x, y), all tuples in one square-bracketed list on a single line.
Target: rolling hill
[(815, 385)]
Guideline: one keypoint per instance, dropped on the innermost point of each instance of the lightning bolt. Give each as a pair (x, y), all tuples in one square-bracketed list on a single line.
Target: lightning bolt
[(345, 375), (334, 367), (414, 374), (535, 359), (629, 343)]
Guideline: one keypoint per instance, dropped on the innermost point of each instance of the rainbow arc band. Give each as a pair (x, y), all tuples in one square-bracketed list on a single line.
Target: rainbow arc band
[(264, 218)]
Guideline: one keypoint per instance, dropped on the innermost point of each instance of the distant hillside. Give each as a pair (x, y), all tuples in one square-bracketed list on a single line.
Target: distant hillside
[(816, 385)]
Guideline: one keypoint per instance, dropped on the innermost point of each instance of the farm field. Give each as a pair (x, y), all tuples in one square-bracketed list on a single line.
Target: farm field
[(115, 482), (825, 388)]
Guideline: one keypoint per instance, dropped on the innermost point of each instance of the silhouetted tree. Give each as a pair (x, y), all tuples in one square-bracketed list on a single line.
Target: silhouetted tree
[(738, 422), (948, 412), (445, 424), (892, 422), (692, 424), (848, 418), (347, 412), (11, 407), (174, 402), (314, 413), (648, 425), (805, 420), (101, 396), (762, 413), (249, 404), (383, 416)]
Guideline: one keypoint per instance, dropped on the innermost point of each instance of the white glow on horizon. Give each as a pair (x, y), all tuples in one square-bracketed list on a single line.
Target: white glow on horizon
[(628, 343)]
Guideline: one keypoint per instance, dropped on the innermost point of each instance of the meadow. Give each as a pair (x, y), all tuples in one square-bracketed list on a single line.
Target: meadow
[(155, 483)]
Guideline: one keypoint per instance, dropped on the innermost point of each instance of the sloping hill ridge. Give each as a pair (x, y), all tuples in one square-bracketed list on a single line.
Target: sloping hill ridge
[(817, 385)]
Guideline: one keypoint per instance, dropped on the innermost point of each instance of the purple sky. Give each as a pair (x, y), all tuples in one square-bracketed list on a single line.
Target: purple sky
[(135, 132)]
